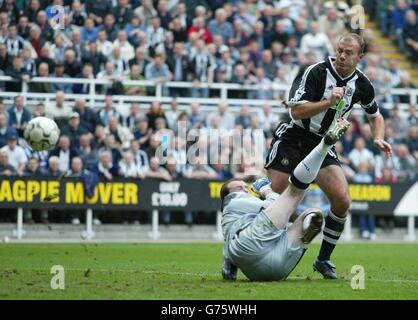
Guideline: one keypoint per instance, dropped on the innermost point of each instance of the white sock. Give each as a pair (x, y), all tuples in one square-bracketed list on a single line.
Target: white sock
[(323, 148), (307, 170)]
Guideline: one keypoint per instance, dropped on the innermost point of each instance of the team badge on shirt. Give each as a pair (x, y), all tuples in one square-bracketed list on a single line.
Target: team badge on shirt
[(285, 162)]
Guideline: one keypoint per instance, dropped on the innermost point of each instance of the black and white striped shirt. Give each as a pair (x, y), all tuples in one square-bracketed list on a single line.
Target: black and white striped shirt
[(317, 83)]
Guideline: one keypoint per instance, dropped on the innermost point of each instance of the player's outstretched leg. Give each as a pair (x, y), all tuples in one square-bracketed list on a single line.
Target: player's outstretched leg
[(307, 170), (305, 173), (333, 225)]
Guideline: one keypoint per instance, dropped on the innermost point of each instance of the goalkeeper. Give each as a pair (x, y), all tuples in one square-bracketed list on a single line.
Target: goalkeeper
[(258, 238)]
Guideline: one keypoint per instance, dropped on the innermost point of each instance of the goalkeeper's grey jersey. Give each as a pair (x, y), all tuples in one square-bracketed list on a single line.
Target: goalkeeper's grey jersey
[(240, 209)]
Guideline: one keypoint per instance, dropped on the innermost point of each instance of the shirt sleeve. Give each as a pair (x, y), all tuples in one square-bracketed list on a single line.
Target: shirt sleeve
[(368, 102), (305, 87)]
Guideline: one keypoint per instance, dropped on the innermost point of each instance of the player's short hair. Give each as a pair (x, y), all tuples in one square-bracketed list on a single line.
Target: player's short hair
[(225, 190), (356, 37)]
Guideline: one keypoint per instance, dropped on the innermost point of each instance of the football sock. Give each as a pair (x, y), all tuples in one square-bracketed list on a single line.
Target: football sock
[(333, 228), (307, 170), (323, 148)]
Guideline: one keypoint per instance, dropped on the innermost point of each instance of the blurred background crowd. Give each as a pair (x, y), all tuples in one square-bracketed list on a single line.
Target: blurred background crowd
[(243, 42)]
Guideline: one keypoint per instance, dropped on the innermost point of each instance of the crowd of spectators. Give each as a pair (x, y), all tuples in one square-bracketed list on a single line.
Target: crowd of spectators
[(243, 42), (397, 20)]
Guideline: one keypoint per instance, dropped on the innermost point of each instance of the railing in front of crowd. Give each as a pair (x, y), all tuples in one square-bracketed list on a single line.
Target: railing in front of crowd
[(93, 96)]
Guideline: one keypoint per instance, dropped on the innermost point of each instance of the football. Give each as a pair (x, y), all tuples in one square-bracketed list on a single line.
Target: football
[(41, 133)]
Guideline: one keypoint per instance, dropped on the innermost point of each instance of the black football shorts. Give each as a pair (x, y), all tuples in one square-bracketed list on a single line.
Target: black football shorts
[(290, 145)]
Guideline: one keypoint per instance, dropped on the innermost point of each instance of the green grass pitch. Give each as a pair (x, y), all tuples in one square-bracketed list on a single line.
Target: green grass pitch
[(191, 271)]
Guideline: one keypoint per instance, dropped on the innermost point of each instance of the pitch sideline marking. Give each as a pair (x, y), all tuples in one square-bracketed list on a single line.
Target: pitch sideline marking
[(215, 274), (290, 278)]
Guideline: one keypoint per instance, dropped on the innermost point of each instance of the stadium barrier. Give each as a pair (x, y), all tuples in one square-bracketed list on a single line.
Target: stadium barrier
[(95, 100), (93, 96), (179, 195)]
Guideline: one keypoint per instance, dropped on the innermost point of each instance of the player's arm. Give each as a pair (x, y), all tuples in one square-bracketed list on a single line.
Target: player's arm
[(308, 109), (377, 123), (302, 103)]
